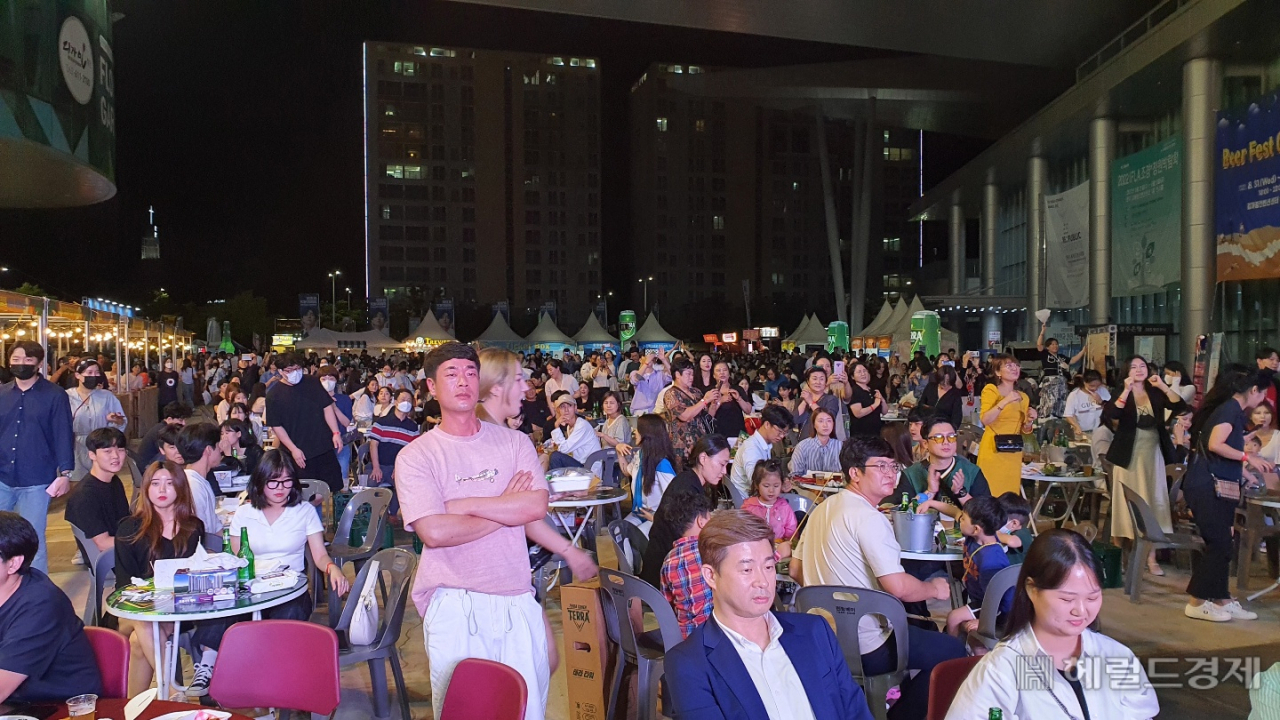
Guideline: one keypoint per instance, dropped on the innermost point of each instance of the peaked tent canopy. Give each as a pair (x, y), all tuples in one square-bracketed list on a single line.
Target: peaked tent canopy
[(874, 328), (594, 336), (547, 336), (430, 330), (500, 334), (791, 339), (813, 333), (651, 334), (323, 339)]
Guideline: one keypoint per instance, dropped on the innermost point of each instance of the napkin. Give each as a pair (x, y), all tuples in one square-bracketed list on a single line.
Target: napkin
[(138, 704), (1043, 315), (201, 560), (284, 581)]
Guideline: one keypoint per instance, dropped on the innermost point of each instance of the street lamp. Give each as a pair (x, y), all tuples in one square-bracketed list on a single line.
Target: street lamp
[(645, 282), (348, 299), (333, 287)]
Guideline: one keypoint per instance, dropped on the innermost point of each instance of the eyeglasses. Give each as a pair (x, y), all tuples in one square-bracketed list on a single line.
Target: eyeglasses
[(949, 437), (890, 467), (276, 484)]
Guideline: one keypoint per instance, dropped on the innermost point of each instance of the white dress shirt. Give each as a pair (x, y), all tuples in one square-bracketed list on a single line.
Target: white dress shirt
[(205, 501), (580, 443), (775, 678)]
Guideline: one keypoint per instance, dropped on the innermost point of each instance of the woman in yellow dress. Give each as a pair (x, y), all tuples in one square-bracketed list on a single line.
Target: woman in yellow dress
[(1005, 411)]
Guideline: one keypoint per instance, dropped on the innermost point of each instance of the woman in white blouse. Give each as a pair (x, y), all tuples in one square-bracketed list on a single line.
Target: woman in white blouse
[(1050, 664), (1262, 425)]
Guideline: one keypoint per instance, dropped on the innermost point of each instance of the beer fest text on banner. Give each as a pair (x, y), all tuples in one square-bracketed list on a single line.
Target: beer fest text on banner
[(1247, 192), (1066, 221)]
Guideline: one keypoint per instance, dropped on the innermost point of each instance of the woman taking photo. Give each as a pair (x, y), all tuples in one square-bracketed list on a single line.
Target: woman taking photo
[(820, 452), (1141, 448), (1212, 487), (703, 472), (941, 397), (1050, 664), (652, 468), (865, 405), (163, 526), (734, 405), (1007, 415), (686, 409)]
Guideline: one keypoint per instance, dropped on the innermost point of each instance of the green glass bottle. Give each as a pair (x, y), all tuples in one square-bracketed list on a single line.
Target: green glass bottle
[(226, 539), (246, 573), (906, 503), (995, 714)]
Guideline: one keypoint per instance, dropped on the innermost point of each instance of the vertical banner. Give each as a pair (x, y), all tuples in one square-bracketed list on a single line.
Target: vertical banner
[(1066, 220), (378, 314), (602, 313), (309, 312), (626, 327), (503, 308), (1247, 192), (549, 308), (1099, 344), (1146, 219), (445, 314)]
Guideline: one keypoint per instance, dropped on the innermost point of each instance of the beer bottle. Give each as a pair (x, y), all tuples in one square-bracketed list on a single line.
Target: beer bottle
[(226, 539), (995, 713), (906, 503), (246, 573)]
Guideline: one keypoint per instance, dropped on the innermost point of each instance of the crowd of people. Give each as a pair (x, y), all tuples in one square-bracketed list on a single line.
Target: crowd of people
[(710, 456)]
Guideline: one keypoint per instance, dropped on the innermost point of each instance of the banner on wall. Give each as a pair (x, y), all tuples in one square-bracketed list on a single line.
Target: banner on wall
[(1247, 192), (445, 314), (1066, 236), (309, 312), (1146, 219), (378, 314)]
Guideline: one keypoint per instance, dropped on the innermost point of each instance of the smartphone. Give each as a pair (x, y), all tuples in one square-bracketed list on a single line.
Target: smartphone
[(839, 367)]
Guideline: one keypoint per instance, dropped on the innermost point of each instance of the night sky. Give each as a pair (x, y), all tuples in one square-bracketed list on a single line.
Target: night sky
[(241, 123)]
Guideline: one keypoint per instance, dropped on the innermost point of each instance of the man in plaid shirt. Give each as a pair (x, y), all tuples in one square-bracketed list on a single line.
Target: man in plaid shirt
[(682, 581)]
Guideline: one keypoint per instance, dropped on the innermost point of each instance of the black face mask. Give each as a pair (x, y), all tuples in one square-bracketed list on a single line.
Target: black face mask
[(22, 371), (91, 381)]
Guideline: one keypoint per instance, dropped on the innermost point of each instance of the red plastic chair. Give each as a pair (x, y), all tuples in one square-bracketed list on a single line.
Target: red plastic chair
[(300, 660), (944, 683), (484, 690), (111, 650)]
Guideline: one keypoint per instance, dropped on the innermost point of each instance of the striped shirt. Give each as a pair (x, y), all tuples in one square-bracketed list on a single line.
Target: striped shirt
[(813, 455), (392, 434)]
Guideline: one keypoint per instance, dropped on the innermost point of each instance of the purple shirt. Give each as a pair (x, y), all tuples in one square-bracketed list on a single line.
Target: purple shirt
[(646, 390)]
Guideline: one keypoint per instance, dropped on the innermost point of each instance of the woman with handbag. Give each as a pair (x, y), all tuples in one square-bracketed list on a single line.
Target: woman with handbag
[(1006, 415), (687, 410), (1212, 487), (1141, 448)]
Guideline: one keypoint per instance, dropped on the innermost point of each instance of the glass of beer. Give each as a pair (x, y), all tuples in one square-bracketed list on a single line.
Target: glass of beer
[(82, 707)]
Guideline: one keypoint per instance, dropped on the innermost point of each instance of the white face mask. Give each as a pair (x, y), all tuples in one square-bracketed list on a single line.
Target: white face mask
[(293, 377), (404, 407), (1172, 381), (329, 384)]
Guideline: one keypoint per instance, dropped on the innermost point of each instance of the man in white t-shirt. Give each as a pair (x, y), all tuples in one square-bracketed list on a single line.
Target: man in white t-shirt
[(198, 446), (558, 380), (467, 489), (574, 437), (850, 542)]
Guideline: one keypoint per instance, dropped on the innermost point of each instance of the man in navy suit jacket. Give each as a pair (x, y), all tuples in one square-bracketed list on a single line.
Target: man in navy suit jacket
[(746, 662)]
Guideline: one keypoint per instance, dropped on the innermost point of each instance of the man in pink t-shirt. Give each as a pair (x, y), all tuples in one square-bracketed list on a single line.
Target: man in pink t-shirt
[(467, 489)]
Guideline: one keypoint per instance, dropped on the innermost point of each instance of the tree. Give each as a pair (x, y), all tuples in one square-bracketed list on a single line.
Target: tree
[(27, 288)]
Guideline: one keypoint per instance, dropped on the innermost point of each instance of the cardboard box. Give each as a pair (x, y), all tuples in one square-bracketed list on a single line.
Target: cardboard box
[(588, 655)]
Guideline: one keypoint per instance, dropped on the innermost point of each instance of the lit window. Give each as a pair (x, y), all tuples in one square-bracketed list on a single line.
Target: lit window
[(795, 186), (589, 63), (410, 69), (386, 212), (395, 171), (413, 172), (886, 153), (555, 61), (398, 66), (442, 52), (908, 153), (895, 154), (677, 69), (389, 110), (573, 62), (694, 69), (662, 124), (700, 125), (886, 136), (717, 222)]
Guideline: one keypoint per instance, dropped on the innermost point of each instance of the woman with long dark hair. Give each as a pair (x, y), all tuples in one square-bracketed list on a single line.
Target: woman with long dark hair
[(1141, 447), (1006, 411), (1212, 487), (1050, 664), (704, 376), (652, 468), (941, 397), (163, 526), (704, 469)]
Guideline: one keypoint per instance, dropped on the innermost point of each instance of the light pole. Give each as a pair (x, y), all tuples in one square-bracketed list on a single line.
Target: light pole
[(645, 282), (348, 299), (333, 287)]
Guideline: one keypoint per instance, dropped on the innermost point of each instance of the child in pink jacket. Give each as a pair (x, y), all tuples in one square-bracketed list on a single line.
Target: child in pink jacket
[(766, 501)]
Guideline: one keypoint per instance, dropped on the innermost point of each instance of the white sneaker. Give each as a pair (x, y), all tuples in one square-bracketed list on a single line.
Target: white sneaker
[(199, 686), (1207, 611), (78, 559), (1237, 612)]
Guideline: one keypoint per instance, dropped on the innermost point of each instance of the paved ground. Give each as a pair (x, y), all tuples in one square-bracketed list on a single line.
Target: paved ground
[(1156, 628)]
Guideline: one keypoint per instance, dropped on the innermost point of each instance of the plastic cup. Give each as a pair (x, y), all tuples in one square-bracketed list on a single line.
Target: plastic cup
[(82, 707)]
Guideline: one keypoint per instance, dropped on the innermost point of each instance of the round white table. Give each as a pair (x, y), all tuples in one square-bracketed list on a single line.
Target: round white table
[(948, 556), (1077, 484), (816, 488), (589, 499), (162, 609), (893, 418)]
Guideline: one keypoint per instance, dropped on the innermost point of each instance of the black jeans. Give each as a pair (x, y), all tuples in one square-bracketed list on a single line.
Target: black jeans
[(925, 649), (209, 633), (1214, 517), (323, 467)]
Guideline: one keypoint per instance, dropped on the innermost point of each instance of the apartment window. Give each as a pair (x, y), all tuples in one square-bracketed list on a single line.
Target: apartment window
[(467, 73), (415, 234), (416, 254), (468, 214), (439, 234), (390, 232), (386, 212), (699, 125), (892, 244), (394, 171), (439, 255), (468, 235), (413, 172), (532, 217), (533, 277), (662, 124), (389, 110), (717, 222), (533, 257), (440, 214), (532, 237), (391, 253)]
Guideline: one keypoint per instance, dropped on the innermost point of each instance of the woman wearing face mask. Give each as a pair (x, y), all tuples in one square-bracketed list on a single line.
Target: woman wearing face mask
[(1176, 377), (388, 436), (342, 408), (92, 407)]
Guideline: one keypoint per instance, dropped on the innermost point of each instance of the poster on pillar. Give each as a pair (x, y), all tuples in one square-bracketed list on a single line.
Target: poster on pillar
[(1247, 192), (1066, 238), (1146, 219)]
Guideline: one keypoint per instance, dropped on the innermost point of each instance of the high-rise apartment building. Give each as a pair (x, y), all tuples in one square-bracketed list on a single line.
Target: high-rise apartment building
[(482, 176), (727, 206)]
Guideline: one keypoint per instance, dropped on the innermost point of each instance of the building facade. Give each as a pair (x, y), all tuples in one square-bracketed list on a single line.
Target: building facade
[(482, 177)]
